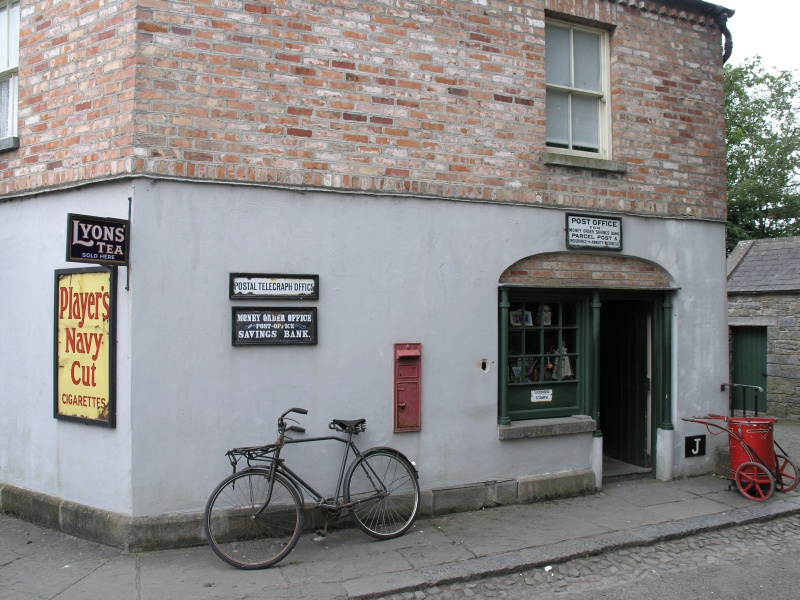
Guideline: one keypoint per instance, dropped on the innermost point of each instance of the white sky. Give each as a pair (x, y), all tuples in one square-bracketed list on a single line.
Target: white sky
[(770, 28)]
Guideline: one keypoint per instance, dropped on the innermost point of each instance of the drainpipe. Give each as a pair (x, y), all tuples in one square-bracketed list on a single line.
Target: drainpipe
[(722, 21)]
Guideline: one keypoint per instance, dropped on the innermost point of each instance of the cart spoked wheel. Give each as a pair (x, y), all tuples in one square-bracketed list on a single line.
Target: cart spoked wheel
[(787, 476), (755, 481)]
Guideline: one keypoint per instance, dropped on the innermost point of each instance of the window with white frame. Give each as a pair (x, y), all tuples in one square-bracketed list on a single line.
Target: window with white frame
[(9, 65), (576, 60)]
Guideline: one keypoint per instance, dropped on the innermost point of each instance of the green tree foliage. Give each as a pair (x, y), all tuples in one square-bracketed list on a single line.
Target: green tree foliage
[(763, 136)]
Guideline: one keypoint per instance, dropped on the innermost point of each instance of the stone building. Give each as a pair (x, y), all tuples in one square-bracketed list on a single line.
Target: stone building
[(763, 309), (517, 193)]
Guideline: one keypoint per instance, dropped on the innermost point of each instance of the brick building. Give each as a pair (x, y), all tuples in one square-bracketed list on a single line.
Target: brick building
[(533, 191)]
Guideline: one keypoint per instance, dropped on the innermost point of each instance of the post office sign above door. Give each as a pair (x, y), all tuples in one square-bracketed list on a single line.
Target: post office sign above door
[(594, 232)]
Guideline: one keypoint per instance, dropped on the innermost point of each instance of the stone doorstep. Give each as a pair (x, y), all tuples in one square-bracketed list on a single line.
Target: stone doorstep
[(134, 534)]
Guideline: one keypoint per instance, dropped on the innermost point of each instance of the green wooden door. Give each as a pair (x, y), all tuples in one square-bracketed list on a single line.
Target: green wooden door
[(623, 380), (749, 366)]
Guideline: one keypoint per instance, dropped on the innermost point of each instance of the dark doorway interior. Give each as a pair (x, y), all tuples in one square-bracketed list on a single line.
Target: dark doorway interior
[(624, 380)]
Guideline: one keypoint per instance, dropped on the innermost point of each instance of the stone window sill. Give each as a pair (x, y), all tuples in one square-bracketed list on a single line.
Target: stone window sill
[(9, 143), (546, 427), (583, 162)]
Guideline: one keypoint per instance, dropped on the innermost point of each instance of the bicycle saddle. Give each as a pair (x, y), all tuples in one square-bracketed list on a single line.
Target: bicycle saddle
[(346, 425)]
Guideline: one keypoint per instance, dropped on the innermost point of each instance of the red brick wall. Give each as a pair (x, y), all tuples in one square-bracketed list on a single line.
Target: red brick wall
[(439, 98), (76, 87), (575, 269)]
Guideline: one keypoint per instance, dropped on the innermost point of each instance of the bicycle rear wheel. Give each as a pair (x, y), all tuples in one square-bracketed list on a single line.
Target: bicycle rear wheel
[(383, 485), (248, 528)]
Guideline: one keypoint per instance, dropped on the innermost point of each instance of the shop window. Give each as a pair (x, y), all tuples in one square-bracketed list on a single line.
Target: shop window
[(544, 357), (577, 66), (9, 65), (542, 342)]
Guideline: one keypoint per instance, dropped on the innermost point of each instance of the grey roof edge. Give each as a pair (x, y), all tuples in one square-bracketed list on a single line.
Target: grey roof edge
[(700, 6), (789, 291), (737, 255)]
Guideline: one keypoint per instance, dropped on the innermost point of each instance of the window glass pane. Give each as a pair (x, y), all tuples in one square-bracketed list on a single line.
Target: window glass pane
[(557, 110), (514, 343), (4, 42), (555, 310), (544, 315), (587, 60), (4, 108), (532, 372), (568, 341), (515, 370), (585, 123), (569, 314), (13, 36), (533, 342), (566, 366), (549, 368), (558, 55), (551, 339)]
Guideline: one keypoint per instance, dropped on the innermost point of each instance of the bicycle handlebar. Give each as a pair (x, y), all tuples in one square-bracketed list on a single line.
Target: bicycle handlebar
[(296, 428), (299, 411)]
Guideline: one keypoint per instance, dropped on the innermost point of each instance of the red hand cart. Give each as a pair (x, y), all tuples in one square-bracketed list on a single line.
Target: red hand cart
[(755, 465)]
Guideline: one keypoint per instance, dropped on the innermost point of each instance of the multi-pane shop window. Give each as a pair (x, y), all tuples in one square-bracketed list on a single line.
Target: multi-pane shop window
[(542, 342), (577, 98), (9, 64), (543, 353)]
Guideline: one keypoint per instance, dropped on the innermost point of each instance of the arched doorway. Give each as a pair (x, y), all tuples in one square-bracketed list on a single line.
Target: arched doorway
[(588, 334)]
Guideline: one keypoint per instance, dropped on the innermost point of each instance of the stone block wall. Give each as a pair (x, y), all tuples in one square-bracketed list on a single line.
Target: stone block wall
[(781, 314)]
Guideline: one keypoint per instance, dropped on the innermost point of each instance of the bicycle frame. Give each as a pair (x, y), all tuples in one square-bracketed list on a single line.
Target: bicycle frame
[(276, 465)]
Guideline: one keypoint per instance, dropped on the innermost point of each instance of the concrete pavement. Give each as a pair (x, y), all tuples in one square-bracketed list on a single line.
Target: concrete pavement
[(37, 563)]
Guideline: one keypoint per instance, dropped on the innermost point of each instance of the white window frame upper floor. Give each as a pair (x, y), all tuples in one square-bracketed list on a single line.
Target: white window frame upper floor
[(578, 81), (9, 68)]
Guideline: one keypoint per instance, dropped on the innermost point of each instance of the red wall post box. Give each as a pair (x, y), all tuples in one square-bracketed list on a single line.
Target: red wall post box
[(407, 387)]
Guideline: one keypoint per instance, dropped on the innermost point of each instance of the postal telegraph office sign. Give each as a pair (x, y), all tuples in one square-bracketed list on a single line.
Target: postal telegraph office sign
[(251, 286), (97, 240)]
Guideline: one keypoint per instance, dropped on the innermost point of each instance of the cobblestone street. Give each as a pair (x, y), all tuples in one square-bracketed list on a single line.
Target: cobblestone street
[(666, 560)]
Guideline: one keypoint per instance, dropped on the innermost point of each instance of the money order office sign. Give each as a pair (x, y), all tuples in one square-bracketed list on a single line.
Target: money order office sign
[(85, 341)]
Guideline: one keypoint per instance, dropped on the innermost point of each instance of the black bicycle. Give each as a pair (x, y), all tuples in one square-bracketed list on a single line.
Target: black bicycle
[(254, 518)]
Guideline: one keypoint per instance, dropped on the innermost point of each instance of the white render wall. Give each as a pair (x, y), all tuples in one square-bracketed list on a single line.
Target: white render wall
[(85, 464), (391, 270)]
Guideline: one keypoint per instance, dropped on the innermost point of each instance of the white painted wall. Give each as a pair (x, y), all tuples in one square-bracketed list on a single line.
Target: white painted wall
[(391, 270), (86, 464)]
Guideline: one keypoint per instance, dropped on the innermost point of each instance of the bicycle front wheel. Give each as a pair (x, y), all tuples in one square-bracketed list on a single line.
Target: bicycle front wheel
[(252, 521), (383, 488)]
